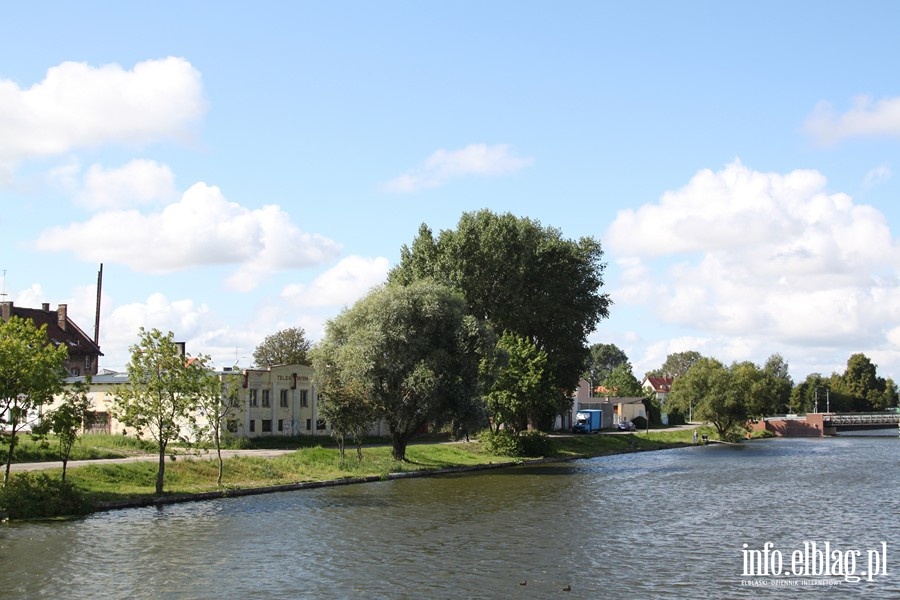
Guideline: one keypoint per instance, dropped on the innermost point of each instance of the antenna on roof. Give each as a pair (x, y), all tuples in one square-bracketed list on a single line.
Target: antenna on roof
[(3, 293)]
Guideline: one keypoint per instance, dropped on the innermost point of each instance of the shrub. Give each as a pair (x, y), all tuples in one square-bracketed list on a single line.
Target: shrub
[(639, 422), (38, 495), (506, 443), (535, 443)]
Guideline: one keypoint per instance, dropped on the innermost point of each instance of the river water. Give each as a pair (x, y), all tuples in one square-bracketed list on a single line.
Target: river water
[(667, 524)]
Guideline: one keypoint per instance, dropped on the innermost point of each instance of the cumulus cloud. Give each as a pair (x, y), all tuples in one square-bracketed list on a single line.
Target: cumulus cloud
[(866, 118), (761, 256), (202, 228), (341, 285), (443, 166), (78, 105), (135, 183)]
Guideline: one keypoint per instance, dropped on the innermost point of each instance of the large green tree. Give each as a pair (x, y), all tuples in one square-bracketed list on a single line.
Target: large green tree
[(412, 352), (622, 382), (676, 364), (218, 400), (708, 389), (523, 278), (32, 370), (602, 360), (520, 385), (776, 368), (285, 347), (161, 396)]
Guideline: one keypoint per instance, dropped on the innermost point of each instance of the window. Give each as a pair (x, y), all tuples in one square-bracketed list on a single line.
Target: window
[(304, 398), (283, 401), (280, 424), (309, 424), (267, 425), (320, 424), (265, 399), (231, 425), (253, 400), (252, 425)]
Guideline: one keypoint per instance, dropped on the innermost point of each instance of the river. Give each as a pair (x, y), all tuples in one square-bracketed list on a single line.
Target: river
[(666, 524)]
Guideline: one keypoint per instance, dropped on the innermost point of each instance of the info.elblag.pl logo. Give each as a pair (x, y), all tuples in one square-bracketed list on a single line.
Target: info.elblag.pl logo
[(816, 559)]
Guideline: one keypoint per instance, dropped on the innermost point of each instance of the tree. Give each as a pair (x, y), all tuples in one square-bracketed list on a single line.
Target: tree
[(520, 384), (622, 382), (218, 399), (31, 372), (676, 364), (601, 362), (776, 368), (162, 392), (286, 347), (347, 408), (521, 278), (410, 351), (708, 387), (68, 420)]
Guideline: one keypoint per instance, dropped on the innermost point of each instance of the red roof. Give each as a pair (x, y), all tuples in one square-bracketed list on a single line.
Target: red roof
[(661, 384)]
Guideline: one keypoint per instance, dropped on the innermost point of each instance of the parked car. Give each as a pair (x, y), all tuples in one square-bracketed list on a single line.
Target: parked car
[(626, 426)]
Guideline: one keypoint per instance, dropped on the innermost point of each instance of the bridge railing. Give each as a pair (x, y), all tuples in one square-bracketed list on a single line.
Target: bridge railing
[(862, 419)]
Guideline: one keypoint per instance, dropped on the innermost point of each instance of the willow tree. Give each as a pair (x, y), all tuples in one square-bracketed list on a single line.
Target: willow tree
[(521, 278), (161, 396), (411, 353)]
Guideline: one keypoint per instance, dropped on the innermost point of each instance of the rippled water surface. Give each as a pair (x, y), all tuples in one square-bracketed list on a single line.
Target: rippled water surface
[(668, 524)]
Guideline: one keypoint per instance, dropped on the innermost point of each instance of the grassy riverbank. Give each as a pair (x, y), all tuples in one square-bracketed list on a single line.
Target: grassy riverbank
[(187, 475)]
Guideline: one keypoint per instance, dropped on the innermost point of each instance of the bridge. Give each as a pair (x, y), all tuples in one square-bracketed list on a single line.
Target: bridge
[(822, 424)]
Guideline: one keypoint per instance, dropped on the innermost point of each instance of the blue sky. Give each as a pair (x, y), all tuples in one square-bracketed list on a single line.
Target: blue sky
[(241, 168)]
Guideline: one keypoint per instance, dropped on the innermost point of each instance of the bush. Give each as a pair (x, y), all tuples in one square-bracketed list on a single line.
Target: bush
[(639, 423), (38, 495), (506, 443), (535, 443)]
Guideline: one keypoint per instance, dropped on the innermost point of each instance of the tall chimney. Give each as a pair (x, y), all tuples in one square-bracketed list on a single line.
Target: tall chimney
[(45, 307), (97, 311), (61, 316)]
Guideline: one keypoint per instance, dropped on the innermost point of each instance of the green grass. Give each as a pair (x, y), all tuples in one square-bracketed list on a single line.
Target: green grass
[(90, 446), (188, 474)]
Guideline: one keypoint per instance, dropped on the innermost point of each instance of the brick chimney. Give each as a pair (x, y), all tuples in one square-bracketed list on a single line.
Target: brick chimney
[(62, 316), (45, 307), (6, 310)]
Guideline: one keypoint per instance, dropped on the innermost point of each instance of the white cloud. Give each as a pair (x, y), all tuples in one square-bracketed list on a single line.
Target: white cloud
[(77, 105), (443, 166), (202, 228), (876, 176), (865, 119), (137, 182), (341, 285), (761, 259)]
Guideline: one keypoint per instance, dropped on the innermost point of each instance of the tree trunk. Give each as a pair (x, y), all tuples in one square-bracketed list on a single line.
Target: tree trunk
[(65, 461), (9, 455), (161, 471), (398, 443), (219, 453)]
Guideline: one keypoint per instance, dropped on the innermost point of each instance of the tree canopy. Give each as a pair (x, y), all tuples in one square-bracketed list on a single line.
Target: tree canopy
[(676, 364), (412, 353), (524, 279), (285, 347), (32, 370), (162, 392), (603, 359)]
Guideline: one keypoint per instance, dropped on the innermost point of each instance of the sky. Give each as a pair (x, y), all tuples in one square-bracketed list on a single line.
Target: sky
[(240, 168)]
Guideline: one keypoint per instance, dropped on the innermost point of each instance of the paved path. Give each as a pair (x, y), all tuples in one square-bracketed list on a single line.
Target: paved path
[(203, 454)]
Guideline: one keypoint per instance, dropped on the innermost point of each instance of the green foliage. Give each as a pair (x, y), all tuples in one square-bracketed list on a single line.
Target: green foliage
[(411, 352), (640, 423), (286, 347), (603, 359), (67, 420), (31, 372), (162, 392), (509, 443), (521, 384), (523, 279), (622, 382), (38, 495), (676, 364)]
